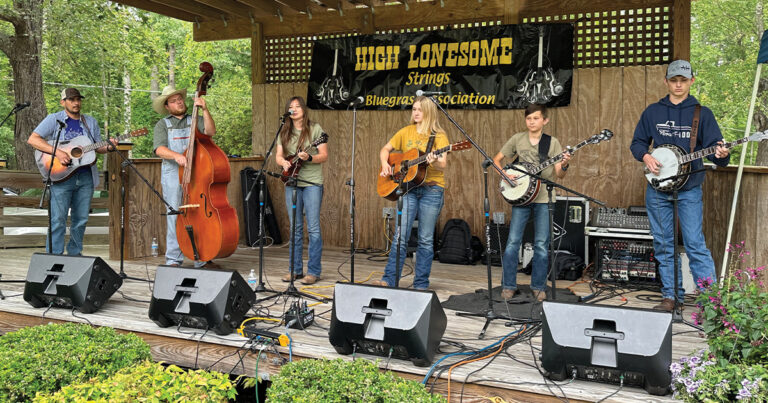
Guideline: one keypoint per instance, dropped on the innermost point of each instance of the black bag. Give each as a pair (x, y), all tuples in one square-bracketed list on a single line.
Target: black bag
[(568, 266), (457, 245), (251, 211)]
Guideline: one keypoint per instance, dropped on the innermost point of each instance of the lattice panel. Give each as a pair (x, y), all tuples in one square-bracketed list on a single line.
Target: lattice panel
[(601, 39), (618, 38)]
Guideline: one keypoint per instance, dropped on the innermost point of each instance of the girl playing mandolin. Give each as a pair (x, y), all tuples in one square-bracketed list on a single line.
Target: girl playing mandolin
[(426, 200), (531, 146), (295, 138)]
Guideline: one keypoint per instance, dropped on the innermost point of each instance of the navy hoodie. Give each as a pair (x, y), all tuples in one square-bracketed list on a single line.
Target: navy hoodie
[(665, 123)]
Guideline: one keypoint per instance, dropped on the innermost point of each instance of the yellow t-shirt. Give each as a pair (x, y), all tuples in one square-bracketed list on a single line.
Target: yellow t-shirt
[(408, 138)]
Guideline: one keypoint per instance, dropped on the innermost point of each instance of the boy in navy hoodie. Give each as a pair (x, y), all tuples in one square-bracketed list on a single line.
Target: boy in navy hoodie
[(669, 121)]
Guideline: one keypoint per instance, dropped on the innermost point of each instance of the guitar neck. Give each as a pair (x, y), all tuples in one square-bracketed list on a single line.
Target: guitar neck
[(710, 150), (558, 157), (100, 144), (423, 158)]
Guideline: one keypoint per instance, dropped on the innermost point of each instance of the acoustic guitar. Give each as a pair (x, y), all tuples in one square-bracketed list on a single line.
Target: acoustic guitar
[(409, 169), (297, 162), (81, 151)]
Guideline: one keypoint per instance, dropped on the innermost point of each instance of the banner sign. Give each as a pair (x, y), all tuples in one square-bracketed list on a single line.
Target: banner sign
[(496, 67)]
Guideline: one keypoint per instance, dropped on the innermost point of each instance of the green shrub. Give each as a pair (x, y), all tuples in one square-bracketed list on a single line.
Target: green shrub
[(700, 378), (344, 381), (45, 358), (149, 382)]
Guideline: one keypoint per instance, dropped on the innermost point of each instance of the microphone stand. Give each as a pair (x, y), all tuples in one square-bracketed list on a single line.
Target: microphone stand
[(551, 209), (259, 179), (489, 314), (15, 109), (123, 175), (351, 184), (291, 290), (47, 187), (677, 314)]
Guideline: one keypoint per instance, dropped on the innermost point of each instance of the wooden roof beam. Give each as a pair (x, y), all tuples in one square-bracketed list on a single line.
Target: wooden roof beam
[(267, 8), (163, 10), (192, 7), (227, 6), (358, 20)]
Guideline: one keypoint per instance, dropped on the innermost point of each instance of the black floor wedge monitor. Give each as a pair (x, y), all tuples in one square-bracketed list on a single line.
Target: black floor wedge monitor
[(201, 298), (374, 320), (82, 282), (605, 343)]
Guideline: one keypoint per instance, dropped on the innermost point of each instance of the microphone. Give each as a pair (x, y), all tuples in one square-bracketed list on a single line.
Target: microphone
[(22, 106), (421, 93), (357, 102), (286, 114)]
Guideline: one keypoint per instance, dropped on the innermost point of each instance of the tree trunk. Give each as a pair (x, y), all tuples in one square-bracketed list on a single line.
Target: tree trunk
[(172, 65), (154, 86), (127, 101), (23, 52)]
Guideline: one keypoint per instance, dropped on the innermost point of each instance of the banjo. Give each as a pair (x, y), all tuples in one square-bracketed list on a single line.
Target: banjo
[(674, 161), (526, 188)]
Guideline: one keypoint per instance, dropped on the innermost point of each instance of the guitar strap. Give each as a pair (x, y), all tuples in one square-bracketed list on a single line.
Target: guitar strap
[(87, 129), (430, 143), (544, 143), (695, 126)]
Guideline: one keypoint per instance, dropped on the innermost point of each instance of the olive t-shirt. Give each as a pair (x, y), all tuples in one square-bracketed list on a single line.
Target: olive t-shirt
[(520, 144)]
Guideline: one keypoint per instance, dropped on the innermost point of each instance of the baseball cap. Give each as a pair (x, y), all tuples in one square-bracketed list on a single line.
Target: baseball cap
[(679, 68), (70, 93)]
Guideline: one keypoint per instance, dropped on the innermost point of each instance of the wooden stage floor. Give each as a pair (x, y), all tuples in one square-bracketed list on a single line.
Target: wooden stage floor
[(513, 376)]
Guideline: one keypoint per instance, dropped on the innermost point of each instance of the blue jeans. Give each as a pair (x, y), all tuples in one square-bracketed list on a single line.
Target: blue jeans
[(308, 202), (690, 214), (426, 201), (74, 193), (540, 263)]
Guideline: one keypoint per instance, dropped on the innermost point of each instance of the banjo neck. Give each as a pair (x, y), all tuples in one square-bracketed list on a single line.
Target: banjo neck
[(558, 157), (709, 151)]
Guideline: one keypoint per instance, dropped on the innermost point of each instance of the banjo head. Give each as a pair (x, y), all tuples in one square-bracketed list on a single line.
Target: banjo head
[(522, 192), (668, 155)]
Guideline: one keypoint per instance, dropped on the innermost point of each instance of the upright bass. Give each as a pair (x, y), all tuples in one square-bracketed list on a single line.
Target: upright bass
[(207, 226)]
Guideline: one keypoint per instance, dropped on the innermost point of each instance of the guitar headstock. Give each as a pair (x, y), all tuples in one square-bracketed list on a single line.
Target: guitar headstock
[(321, 140), (461, 146), (604, 135), (759, 136), (139, 132)]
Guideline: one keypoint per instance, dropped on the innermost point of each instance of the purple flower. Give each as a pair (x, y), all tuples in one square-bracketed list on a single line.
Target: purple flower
[(743, 394), (676, 369)]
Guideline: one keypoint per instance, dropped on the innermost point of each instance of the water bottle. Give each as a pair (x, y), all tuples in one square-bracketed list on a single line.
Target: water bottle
[(252, 279), (154, 247)]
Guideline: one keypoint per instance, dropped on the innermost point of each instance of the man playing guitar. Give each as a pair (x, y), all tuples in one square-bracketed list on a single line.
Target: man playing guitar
[(530, 146), (75, 192), (673, 120)]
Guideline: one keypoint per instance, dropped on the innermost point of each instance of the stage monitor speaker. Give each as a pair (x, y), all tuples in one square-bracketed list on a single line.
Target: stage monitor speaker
[(206, 299), (372, 320), (82, 282), (569, 219), (603, 343)]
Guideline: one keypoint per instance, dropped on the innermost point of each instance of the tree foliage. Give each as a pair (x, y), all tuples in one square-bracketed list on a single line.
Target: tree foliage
[(93, 44)]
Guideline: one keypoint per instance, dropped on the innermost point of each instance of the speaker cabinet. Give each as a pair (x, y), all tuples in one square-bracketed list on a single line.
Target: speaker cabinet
[(206, 299), (82, 282), (569, 219), (603, 343), (251, 210), (372, 320)]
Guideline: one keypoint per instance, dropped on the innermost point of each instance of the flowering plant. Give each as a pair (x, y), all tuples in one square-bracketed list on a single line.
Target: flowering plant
[(700, 379), (734, 313), (734, 316)]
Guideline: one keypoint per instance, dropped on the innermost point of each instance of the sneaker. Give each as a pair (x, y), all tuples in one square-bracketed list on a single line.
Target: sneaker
[(540, 295), (381, 283), (309, 279), (287, 277), (508, 293)]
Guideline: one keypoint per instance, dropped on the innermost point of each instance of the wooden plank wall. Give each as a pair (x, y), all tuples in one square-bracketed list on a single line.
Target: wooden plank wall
[(611, 98), (143, 209)]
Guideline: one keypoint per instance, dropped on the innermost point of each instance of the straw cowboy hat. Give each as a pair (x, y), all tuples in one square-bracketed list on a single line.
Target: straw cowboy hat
[(159, 103)]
